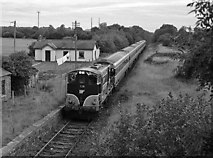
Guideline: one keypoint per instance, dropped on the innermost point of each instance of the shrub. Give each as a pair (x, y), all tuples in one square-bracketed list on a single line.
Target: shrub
[(174, 127)]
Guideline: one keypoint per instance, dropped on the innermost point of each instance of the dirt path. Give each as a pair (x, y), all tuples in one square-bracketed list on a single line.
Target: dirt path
[(145, 84)]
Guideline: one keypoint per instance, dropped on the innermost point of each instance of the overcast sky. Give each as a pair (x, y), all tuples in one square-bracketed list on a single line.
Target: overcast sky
[(148, 14)]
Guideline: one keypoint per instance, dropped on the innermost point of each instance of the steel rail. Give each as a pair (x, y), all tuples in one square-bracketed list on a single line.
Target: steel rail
[(77, 141), (51, 140)]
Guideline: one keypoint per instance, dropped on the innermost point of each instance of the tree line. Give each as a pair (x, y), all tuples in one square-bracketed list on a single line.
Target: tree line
[(109, 38)]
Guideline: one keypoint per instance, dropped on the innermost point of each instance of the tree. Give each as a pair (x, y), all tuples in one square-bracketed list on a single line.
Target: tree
[(204, 13), (165, 39), (20, 65), (199, 62), (165, 28), (31, 49)]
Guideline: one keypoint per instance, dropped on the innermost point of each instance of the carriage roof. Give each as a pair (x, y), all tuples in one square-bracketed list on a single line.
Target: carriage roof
[(114, 57)]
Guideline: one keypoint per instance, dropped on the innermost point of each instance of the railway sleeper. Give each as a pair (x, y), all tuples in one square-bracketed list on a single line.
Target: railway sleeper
[(72, 132), (77, 126), (65, 140), (57, 146), (53, 151), (50, 154), (62, 142), (67, 135)]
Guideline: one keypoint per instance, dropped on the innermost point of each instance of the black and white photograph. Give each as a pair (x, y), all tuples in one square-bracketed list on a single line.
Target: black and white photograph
[(106, 78)]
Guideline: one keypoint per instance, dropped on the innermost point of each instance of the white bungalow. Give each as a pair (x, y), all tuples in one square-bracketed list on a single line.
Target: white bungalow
[(51, 50)]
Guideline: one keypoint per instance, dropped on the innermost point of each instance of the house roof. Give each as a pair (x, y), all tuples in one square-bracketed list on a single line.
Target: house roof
[(66, 44), (4, 72)]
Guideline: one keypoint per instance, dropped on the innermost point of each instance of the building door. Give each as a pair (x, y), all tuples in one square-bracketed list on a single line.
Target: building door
[(47, 55)]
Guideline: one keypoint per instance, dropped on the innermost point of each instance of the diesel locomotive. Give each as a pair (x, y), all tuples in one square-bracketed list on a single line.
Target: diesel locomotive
[(89, 87)]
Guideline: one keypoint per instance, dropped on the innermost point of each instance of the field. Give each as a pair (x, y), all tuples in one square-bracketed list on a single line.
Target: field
[(7, 45)]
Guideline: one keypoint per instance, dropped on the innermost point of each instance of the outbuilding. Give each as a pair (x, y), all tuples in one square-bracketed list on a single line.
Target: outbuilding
[(51, 50), (5, 77)]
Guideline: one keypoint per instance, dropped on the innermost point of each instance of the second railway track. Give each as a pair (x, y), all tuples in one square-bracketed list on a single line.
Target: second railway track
[(65, 140)]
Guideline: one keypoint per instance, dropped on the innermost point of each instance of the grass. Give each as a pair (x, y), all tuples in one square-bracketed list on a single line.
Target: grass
[(8, 46), (27, 110)]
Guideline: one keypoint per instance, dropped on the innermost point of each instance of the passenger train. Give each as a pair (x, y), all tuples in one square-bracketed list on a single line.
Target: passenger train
[(89, 87)]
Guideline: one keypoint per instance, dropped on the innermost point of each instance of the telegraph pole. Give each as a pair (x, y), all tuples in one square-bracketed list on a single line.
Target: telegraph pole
[(75, 25), (91, 24), (38, 17), (14, 35)]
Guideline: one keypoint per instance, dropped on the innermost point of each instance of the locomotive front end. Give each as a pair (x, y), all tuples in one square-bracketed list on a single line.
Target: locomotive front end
[(83, 91)]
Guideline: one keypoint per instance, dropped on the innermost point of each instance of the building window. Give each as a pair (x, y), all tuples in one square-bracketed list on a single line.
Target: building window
[(65, 52), (3, 87), (81, 54)]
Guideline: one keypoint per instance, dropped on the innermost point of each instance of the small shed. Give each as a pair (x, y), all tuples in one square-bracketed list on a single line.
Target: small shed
[(5, 77)]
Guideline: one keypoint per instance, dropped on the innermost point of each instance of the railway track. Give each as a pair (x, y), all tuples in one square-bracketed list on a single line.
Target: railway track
[(65, 140)]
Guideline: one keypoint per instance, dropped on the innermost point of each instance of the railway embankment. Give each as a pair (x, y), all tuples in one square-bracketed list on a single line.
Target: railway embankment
[(30, 137)]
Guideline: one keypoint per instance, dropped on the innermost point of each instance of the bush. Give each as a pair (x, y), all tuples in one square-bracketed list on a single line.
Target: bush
[(174, 127), (20, 65)]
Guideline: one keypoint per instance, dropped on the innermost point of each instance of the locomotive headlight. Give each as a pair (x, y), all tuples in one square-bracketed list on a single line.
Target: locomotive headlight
[(81, 72), (94, 102)]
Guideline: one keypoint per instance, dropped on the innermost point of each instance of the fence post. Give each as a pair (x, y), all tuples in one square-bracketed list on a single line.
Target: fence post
[(25, 93), (13, 98), (65, 76)]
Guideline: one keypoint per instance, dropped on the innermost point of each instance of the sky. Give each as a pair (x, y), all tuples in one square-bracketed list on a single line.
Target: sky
[(148, 14)]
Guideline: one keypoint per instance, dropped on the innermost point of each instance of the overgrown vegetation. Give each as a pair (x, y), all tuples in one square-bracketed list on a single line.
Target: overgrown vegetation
[(198, 61), (174, 127)]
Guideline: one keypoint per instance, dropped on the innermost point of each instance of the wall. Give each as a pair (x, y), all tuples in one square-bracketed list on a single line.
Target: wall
[(89, 55), (31, 138), (38, 55), (7, 88)]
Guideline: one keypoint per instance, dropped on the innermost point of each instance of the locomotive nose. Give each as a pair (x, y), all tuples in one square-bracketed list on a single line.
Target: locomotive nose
[(72, 100)]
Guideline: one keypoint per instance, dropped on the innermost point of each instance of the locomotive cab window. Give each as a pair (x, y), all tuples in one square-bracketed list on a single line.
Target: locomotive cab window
[(92, 80)]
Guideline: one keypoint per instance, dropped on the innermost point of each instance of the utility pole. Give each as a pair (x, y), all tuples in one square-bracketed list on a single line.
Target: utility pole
[(91, 24), (75, 25), (38, 17), (14, 35)]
